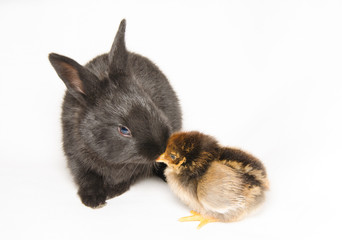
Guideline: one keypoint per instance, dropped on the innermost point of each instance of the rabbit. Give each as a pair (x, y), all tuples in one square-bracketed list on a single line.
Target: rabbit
[(117, 115)]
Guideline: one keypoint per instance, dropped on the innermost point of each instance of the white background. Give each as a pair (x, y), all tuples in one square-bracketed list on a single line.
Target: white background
[(264, 76)]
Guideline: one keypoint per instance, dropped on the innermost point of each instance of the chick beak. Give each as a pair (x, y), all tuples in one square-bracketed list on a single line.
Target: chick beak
[(162, 159)]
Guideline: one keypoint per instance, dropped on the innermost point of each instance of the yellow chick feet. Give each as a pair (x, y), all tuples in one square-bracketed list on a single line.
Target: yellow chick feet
[(197, 217)]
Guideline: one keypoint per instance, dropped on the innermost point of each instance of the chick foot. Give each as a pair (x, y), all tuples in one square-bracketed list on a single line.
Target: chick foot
[(198, 217)]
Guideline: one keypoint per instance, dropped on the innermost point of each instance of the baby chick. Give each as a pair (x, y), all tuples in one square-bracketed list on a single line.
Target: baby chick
[(220, 184)]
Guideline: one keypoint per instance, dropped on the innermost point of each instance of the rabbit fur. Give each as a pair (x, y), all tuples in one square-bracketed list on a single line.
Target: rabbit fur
[(118, 113)]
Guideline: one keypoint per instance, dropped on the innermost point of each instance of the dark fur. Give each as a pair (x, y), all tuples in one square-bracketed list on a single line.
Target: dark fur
[(200, 150), (118, 88)]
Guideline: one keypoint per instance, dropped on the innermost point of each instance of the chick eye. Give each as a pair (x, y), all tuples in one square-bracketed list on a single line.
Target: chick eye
[(172, 156), (124, 131)]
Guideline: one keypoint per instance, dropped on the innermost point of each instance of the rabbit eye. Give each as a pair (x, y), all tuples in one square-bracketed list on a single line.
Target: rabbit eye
[(124, 131), (172, 156)]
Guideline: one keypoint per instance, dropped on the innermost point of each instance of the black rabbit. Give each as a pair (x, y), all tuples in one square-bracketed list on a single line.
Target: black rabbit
[(118, 113)]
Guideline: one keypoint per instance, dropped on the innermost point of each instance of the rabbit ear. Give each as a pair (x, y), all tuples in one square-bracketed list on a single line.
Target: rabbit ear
[(118, 54), (81, 83)]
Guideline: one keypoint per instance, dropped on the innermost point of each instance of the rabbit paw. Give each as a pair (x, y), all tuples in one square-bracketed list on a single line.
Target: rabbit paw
[(94, 198), (117, 190)]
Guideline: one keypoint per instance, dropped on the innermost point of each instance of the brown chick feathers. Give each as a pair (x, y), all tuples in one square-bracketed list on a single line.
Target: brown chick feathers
[(218, 183)]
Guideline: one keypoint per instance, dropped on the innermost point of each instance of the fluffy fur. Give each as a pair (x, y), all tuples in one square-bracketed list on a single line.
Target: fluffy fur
[(220, 183), (113, 90)]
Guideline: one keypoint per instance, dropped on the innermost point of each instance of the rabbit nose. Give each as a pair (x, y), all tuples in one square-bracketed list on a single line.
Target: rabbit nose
[(151, 149), (162, 148)]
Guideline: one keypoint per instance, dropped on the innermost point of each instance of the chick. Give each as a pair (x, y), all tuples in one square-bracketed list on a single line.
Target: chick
[(220, 184)]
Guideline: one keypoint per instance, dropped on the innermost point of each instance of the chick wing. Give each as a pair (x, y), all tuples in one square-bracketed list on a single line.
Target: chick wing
[(220, 190)]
